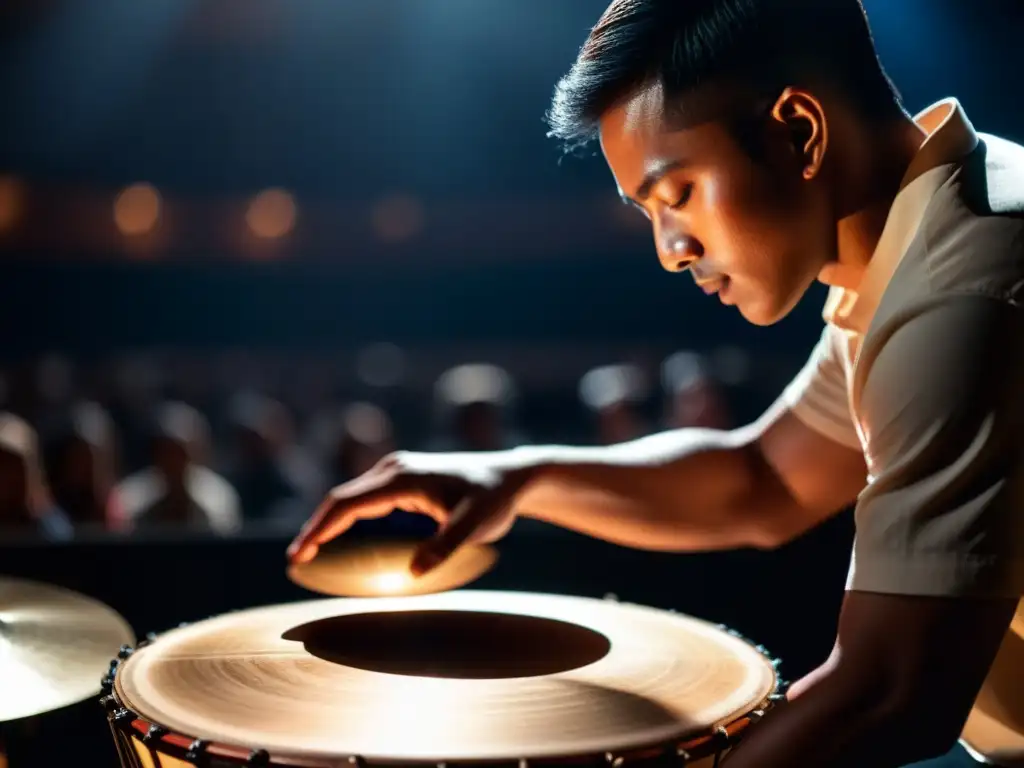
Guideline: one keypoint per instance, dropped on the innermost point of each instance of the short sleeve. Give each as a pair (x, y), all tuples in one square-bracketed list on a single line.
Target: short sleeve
[(818, 395), (939, 394)]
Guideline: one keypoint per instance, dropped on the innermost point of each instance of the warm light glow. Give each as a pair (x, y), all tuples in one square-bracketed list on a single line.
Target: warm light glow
[(11, 202), (395, 581), (137, 209), (384, 568), (271, 214)]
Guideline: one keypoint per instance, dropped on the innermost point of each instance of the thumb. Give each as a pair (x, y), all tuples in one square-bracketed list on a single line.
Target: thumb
[(468, 516)]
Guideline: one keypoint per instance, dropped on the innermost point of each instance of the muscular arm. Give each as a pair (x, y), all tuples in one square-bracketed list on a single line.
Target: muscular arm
[(683, 490), (897, 688), (695, 489), (938, 563)]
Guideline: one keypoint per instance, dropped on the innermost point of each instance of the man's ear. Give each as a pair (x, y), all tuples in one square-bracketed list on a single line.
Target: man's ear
[(804, 118)]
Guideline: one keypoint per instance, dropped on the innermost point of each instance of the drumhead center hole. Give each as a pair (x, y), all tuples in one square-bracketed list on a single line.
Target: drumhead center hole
[(452, 644)]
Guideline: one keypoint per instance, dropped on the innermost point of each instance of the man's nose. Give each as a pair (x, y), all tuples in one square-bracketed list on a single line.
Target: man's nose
[(679, 253)]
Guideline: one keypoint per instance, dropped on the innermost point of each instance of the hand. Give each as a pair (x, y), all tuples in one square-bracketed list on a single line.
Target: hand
[(469, 497)]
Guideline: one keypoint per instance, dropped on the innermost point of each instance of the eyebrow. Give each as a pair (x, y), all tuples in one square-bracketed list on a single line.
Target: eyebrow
[(656, 174)]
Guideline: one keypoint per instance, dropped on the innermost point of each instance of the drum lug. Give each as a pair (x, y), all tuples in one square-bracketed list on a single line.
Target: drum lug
[(258, 757), (613, 761), (107, 682), (110, 703), (524, 763), (683, 755), (155, 733), (147, 640), (125, 652), (357, 761), (611, 597), (196, 750)]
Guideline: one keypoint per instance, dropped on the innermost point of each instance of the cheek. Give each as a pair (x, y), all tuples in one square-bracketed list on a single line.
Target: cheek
[(750, 224)]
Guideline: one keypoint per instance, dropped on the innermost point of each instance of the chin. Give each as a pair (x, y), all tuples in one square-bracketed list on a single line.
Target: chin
[(758, 318), (763, 313), (768, 307)]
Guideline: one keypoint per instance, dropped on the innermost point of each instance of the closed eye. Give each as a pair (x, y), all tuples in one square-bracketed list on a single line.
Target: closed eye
[(683, 198)]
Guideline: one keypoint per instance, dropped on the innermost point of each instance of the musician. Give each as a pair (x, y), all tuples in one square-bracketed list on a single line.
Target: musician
[(768, 148)]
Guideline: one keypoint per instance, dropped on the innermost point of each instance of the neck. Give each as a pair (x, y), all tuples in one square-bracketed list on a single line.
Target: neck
[(871, 174)]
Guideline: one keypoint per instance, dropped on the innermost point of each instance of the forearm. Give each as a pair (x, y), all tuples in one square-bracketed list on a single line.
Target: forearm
[(838, 723), (681, 490)]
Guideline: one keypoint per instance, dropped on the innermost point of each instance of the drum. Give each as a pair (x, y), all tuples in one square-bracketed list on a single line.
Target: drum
[(465, 677)]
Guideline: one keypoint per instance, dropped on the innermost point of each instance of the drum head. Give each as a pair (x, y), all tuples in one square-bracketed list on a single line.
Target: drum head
[(456, 676)]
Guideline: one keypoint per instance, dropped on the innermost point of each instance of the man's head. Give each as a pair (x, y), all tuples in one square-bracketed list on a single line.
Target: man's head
[(715, 117)]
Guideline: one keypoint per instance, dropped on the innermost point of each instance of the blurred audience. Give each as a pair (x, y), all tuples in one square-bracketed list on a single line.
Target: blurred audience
[(215, 443), (614, 394), (270, 487), (694, 396), (80, 461), (26, 507), (365, 436), (176, 490), (474, 405)]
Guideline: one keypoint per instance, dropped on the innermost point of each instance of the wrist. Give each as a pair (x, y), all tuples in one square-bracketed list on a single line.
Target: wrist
[(534, 471)]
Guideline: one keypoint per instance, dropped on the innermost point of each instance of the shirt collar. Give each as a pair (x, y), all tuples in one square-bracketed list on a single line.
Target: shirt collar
[(949, 138)]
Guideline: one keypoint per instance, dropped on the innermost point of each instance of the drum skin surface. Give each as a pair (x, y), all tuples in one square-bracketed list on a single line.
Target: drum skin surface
[(466, 676)]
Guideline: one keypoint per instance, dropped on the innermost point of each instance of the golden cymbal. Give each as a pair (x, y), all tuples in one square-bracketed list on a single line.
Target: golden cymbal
[(456, 676), (55, 646), (382, 569)]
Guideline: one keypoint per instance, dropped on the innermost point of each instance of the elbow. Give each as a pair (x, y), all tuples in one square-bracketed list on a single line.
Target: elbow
[(767, 516), (767, 538), (769, 529)]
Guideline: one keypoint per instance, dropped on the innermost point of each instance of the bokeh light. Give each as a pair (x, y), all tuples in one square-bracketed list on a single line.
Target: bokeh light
[(137, 209), (271, 214), (12, 197)]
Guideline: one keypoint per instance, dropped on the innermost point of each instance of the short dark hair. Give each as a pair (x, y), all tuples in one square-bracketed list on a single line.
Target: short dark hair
[(683, 44)]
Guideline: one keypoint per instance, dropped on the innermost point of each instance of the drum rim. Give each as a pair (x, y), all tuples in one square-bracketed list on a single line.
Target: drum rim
[(127, 722)]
